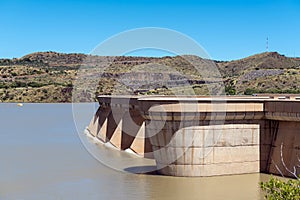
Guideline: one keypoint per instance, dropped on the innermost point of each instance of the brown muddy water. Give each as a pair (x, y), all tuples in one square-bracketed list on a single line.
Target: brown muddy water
[(43, 157)]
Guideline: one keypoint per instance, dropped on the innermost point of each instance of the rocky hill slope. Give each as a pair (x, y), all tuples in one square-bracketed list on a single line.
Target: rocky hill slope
[(57, 77)]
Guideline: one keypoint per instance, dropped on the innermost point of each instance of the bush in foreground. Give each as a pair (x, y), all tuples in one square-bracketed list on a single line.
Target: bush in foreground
[(276, 189)]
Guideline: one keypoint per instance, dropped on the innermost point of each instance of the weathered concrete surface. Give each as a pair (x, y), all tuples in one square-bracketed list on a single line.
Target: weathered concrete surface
[(284, 156), (190, 136), (122, 125), (195, 139), (208, 148)]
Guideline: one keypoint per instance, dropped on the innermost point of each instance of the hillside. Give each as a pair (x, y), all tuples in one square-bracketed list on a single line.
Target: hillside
[(262, 73), (53, 77)]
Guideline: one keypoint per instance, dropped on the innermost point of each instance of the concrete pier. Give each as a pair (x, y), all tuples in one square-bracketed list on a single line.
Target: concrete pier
[(201, 136)]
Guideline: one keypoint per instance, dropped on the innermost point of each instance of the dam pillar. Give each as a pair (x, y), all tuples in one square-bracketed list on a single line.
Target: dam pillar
[(190, 139), (284, 137)]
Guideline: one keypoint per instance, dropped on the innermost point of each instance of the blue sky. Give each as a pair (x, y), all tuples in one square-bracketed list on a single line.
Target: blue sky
[(227, 29)]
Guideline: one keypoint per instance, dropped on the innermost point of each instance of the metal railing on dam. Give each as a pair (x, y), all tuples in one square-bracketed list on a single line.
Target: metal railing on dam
[(204, 136)]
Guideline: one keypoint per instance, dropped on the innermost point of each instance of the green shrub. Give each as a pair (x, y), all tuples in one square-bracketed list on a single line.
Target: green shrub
[(230, 90), (17, 84), (2, 85), (276, 189), (250, 91), (35, 84)]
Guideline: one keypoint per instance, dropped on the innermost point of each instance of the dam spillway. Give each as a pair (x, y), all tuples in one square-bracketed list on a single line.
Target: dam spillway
[(204, 136)]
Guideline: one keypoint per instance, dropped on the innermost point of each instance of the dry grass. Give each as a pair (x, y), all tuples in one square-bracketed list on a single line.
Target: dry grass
[(50, 76)]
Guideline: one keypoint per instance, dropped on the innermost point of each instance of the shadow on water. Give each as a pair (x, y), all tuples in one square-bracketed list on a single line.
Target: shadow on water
[(151, 170)]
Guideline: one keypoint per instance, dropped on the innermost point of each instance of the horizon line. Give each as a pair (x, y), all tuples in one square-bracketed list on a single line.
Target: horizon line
[(147, 55)]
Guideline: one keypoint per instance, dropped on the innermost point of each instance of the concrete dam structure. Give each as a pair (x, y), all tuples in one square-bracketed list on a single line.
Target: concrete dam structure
[(205, 136)]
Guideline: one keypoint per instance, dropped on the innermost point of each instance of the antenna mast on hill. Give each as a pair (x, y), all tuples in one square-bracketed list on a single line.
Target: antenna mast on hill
[(267, 44)]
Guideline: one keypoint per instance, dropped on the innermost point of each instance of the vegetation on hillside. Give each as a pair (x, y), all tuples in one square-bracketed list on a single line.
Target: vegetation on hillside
[(57, 77)]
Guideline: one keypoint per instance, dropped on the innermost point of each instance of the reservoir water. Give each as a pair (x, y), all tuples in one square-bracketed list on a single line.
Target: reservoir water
[(42, 157)]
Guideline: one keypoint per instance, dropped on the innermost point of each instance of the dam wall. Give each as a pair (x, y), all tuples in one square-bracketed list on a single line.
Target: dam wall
[(200, 136), (119, 121)]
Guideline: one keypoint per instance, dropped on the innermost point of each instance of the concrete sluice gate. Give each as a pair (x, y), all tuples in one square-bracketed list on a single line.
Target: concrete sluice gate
[(204, 136)]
